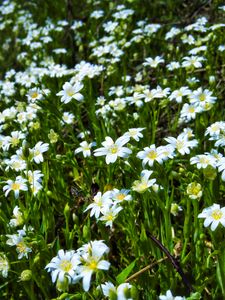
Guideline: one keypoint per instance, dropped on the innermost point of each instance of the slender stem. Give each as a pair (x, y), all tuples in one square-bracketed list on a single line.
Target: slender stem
[(145, 269), (173, 261)]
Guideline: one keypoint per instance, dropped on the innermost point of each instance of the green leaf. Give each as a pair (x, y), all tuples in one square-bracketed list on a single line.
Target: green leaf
[(124, 274)]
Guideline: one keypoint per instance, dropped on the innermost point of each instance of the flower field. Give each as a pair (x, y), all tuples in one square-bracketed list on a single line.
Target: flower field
[(112, 136)]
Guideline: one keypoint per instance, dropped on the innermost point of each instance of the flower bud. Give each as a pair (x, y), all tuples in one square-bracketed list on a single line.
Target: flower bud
[(26, 275)]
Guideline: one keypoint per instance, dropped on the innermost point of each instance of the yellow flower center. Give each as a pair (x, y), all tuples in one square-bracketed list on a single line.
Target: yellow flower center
[(15, 186), (70, 93), (16, 164), (179, 144), (37, 152), (215, 127), (120, 197), (21, 247), (109, 217), (204, 160), (133, 132), (202, 97), (217, 214), (15, 141), (191, 109), (93, 265), (152, 154), (114, 149), (34, 95), (66, 265)]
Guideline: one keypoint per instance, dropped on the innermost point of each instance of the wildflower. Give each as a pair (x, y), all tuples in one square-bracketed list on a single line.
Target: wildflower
[(173, 65), (202, 97), (14, 139), (122, 292), (175, 208), (4, 265), (120, 195), (149, 155), (34, 179), (134, 133), (34, 94), (113, 150), (189, 112), (203, 161), (192, 61), (92, 261), (70, 92), (194, 190), (153, 62), (221, 167), (96, 14), (100, 201), (64, 265), (136, 99), (15, 163), (142, 185), (177, 95), (213, 215), (182, 144), (109, 213), (16, 186), (53, 136), (18, 241), (85, 148), (172, 32), (18, 220), (166, 152), (169, 296), (36, 152), (67, 118), (215, 129)]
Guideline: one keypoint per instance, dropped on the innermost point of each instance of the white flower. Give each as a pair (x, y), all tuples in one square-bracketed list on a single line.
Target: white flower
[(181, 143), (189, 112), (203, 161), (120, 292), (221, 167), (113, 150), (18, 241), (4, 265), (67, 118), (120, 195), (91, 260), (213, 215), (177, 95), (153, 62), (194, 61), (169, 296), (109, 213), (18, 185), (142, 185), (64, 265), (100, 201), (85, 148), (18, 220), (202, 97), (14, 139), (149, 155), (34, 94), (173, 65), (15, 163), (70, 92), (37, 151), (134, 133)]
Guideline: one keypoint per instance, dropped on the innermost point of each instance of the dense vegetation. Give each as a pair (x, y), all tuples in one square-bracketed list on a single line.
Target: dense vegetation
[(112, 135)]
